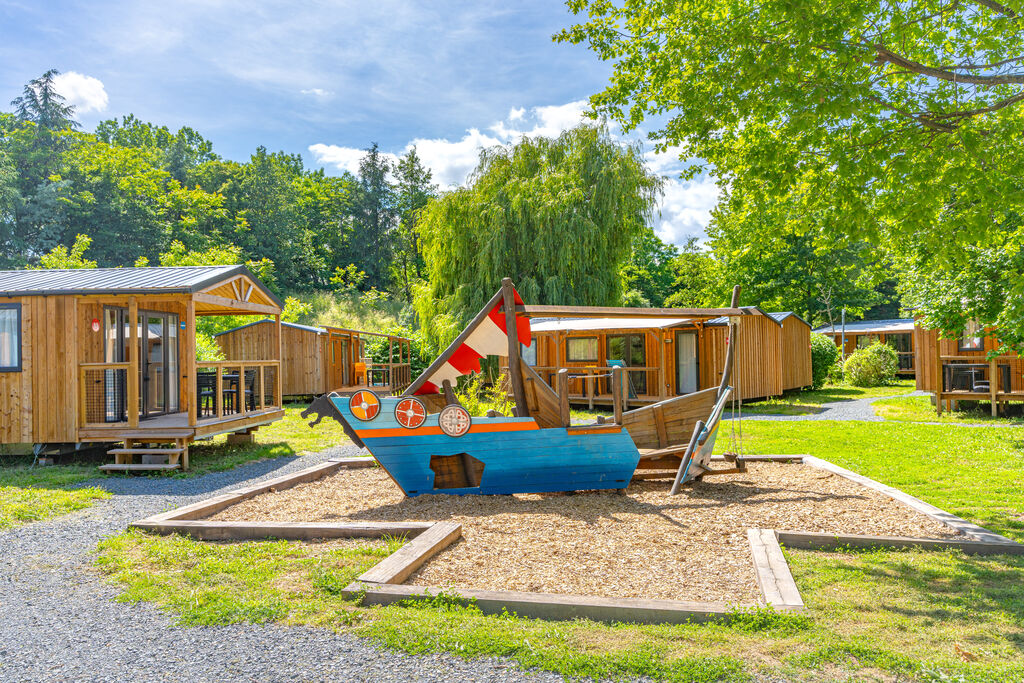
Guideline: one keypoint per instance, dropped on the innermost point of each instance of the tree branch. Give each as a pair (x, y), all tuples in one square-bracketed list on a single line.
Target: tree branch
[(887, 55), (997, 7)]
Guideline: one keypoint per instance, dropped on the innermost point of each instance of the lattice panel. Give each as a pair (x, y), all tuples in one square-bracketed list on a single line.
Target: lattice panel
[(105, 395)]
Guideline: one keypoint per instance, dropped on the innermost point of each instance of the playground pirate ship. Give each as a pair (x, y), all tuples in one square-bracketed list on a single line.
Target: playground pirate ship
[(429, 443)]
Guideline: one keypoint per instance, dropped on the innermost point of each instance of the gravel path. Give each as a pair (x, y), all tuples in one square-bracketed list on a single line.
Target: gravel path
[(58, 620), (853, 409)]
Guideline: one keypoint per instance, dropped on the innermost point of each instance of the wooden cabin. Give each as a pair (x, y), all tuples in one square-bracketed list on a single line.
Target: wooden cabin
[(108, 355), (966, 371), (897, 333), (319, 360), (667, 356)]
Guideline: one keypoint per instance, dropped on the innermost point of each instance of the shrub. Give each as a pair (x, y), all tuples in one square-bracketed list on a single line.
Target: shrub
[(871, 367), (824, 354)]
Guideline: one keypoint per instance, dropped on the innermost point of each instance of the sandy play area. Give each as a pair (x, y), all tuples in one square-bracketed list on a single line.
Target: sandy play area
[(643, 544)]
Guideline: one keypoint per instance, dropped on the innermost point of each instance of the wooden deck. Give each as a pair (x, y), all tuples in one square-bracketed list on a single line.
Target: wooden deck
[(175, 426)]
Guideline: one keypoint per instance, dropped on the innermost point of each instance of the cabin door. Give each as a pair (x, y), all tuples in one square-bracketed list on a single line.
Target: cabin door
[(158, 363), (687, 376), (630, 349)]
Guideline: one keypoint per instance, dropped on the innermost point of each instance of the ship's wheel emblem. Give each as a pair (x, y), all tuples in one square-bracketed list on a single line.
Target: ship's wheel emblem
[(364, 405), (454, 420), (410, 413)]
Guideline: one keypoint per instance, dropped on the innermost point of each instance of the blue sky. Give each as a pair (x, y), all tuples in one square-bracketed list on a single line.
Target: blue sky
[(327, 78)]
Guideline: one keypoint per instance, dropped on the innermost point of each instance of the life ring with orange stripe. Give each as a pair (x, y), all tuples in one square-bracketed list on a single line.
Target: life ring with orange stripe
[(410, 413), (364, 405)]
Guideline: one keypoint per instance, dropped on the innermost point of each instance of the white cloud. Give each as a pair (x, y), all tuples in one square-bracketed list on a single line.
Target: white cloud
[(318, 92), (684, 210), (343, 158), (84, 92)]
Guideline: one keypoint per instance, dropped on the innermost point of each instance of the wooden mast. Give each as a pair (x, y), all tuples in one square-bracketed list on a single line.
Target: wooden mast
[(731, 342), (515, 372)]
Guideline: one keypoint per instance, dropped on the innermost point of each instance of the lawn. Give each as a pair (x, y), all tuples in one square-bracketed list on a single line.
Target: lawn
[(809, 401), (875, 614), (920, 409), (30, 494)]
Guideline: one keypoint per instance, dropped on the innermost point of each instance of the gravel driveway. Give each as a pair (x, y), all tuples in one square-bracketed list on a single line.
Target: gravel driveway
[(58, 620), (852, 409)]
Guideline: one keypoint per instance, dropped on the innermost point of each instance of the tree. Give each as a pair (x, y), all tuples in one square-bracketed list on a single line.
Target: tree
[(698, 280), (413, 190), (892, 122), (41, 104), (62, 258), (647, 276), (558, 216), (180, 153), (375, 217), (785, 260)]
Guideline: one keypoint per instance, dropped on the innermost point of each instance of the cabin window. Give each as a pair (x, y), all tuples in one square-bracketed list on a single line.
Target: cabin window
[(10, 337), (529, 353), (581, 349), (972, 339), (866, 340)]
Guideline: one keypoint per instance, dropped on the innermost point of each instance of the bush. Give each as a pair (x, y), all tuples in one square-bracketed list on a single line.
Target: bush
[(871, 367), (824, 354)]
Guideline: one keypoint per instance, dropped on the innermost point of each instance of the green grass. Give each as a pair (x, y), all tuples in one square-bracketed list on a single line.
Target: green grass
[(30, 494), (975, 473), (872, 614), (920, 409), (809, 401)]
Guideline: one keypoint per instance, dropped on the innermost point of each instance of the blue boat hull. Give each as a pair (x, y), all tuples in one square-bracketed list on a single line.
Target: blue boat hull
[(516, 456)]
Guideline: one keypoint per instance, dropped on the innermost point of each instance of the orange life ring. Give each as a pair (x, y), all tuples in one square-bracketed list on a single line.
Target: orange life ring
[(364, 405)]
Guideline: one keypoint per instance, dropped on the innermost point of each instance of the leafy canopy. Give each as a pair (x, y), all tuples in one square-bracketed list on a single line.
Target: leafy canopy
[(895, 122)]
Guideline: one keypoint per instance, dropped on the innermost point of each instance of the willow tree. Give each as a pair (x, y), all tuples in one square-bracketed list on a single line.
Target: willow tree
[(558, 216)]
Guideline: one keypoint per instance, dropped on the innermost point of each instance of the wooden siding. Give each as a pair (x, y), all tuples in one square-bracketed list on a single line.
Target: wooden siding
[(303, 365), (926, 342), (796, 353)]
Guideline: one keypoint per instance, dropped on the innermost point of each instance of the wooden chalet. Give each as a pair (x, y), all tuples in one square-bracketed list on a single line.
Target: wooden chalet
[(897, 333), (319, 360), (667, 352), (108, 355), (960, 369)]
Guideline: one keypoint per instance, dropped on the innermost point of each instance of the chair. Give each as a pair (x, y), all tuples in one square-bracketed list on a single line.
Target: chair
[(250, 388), (206, 389)]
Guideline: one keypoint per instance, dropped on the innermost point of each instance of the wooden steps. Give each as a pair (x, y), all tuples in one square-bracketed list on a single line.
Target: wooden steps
[(138, 467), (149, 448)]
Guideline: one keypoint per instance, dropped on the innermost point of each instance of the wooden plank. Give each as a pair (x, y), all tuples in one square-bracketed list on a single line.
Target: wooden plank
[(191, 381), (551, 606), (819, 541), (398, 566), (132, 467), (278, 373), (563, 397), (659, 424), (952, 521), (993, 386), (512, 334), (245, 531), (234, 304), (618, 376), (133, 362), (625, 312)]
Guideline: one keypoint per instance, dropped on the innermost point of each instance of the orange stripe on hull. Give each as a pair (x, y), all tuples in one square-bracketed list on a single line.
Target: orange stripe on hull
[(428, 431)]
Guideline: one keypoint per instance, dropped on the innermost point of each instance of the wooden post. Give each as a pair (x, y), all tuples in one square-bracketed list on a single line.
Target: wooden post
[(133, 363), (240, 391), (263, 390), (278, 383), (617, 384), (563, 396), (993, 386), (731, 342), (663, 369), (220, 390), (449, 393), (191, 380), (939, 379), (82, 407), (515, 373)]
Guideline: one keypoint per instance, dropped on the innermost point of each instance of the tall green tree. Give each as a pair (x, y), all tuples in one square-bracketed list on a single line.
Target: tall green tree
[(180, 153), (413, 190), (895, 122), (375, 218), (41, 104), (698, 280), (647, 276), (559, 216)]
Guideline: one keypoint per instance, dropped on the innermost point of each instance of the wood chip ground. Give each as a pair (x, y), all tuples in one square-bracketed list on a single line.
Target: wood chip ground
[(645, 544)]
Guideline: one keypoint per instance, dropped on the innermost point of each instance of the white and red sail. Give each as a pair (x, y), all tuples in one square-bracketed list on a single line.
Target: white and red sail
[(489, 338)]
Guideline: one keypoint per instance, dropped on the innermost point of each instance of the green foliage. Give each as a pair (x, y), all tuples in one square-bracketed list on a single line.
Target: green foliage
[(872, 366), (41, 104), (698, 279), (648, 276), (375, 216), (348, 279), (824, 356), (207, 348), (894, 123), (478, 397), (60, 257), (558, 216), (413, 190)]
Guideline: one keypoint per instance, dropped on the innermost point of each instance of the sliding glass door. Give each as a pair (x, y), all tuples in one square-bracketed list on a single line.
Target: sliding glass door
[(630, 349), (687, 375), (158, 362)]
